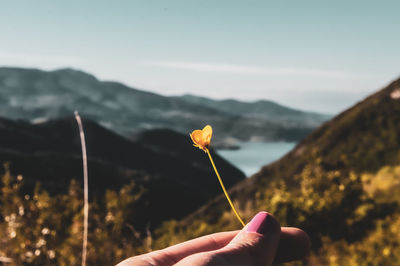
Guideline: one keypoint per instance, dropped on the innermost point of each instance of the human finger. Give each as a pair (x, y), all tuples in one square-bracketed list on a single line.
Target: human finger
[(256, 244), (173, 254), (294, 244)]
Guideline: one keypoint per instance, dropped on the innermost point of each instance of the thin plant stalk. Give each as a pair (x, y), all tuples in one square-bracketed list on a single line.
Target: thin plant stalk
[(223, 188), (85, 189)]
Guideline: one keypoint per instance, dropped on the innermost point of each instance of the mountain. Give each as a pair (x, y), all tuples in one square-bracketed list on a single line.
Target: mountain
[(263, 110), (164, 164), (340, 184), (37, 95)]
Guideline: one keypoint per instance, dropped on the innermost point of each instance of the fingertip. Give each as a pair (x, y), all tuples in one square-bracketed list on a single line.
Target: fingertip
[(294, 244), (302, 240), (263, 223), (256, 244)]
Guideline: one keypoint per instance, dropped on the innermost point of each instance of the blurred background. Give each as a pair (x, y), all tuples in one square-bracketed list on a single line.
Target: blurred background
[(303, 98)]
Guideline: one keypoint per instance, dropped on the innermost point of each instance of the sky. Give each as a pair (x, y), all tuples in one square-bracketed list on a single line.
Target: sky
[(320, 56)]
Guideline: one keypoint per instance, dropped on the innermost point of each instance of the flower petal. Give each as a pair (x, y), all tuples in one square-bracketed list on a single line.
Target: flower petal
[(207, 134), (196, 136)]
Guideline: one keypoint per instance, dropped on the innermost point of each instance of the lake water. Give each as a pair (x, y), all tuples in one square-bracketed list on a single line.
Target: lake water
[(253, 155)]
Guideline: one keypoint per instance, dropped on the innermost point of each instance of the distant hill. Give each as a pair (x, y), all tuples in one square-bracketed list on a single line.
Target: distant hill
[(163, 163), (323, 185), (263, 110), (37, 95)]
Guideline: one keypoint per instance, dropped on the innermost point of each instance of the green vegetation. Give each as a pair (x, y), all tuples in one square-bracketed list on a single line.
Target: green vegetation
[(39, 229), (349, 219), (353, 222)]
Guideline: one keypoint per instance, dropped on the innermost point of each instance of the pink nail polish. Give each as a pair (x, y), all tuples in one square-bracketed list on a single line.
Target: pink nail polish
[(260, 223)]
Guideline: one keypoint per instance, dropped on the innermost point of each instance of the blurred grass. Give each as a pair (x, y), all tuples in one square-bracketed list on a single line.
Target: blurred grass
[(353, 219), (39, 229)]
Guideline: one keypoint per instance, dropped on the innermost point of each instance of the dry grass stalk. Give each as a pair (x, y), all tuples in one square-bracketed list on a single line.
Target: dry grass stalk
[(85, 189)]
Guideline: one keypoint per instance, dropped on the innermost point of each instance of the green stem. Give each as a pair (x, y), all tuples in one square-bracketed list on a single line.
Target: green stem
[(223, 188)]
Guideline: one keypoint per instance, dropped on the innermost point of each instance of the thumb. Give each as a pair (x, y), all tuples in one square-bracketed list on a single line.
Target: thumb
[(256, 244), (258, 241)]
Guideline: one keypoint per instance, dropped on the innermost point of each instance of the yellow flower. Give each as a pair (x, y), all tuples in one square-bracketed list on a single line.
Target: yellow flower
[(202, 138)]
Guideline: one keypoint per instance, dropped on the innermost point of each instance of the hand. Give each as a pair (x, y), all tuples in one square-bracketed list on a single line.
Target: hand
[(260, 242)]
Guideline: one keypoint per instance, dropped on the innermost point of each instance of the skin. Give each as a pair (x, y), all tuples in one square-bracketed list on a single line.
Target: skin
[(278, 244)]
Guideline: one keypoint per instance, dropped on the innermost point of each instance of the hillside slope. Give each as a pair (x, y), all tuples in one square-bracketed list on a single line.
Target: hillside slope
[(322, 186), (50, 153)]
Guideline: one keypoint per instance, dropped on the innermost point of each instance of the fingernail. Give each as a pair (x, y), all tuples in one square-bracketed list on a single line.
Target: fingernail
[(262, 223)]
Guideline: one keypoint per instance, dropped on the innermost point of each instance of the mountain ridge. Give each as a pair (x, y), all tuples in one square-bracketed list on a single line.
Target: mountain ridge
[(194, 97), (33, 94)]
